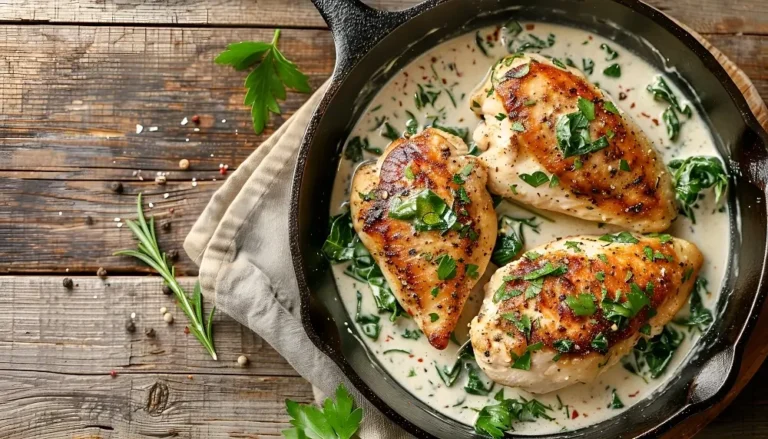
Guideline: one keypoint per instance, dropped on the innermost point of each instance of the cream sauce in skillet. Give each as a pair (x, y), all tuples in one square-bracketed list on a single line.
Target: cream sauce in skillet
[(454, 69)]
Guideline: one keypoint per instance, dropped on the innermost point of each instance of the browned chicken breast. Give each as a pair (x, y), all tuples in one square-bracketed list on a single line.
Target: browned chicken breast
[(569, 310), (424, 213), (553, 140)]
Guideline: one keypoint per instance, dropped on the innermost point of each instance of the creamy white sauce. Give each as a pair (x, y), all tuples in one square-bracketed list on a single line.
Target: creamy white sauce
[(459, 66)]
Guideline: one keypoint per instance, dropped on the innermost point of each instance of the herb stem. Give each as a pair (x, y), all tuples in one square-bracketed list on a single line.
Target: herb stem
[(149, 253)]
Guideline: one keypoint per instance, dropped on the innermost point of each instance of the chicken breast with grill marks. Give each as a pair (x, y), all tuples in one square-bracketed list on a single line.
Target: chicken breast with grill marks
[(424, 213), (577, 305), (541, 118)]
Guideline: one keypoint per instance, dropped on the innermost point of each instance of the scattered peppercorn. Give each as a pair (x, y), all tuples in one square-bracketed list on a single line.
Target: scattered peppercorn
[(116, 187), (189, 377), (186, 329), (184, 164), (167, 290), (68, 284), (150, 333), (88, 220), (173, 254), (130, 326), (166, 226), (242, 360), (113, 373), (101, 272)]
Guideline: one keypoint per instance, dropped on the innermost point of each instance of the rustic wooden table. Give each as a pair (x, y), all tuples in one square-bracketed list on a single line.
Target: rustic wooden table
[(76, 77)]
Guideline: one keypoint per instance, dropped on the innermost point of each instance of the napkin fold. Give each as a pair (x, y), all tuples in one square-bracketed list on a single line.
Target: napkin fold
[(240, 242)]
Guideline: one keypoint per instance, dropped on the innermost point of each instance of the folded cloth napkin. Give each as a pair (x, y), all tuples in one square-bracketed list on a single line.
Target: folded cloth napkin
[(241, 245)]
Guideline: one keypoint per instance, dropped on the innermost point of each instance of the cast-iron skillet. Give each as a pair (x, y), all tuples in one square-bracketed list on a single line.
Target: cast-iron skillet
[(372, 45)]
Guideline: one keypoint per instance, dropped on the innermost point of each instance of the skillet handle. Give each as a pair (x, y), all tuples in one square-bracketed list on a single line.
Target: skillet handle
[(356, 27)]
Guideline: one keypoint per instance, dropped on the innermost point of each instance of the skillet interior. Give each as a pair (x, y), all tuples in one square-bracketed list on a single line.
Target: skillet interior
[(631, 24)]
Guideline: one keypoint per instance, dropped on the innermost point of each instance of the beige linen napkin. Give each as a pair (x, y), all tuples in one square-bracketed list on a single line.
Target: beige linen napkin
[(240, 243)]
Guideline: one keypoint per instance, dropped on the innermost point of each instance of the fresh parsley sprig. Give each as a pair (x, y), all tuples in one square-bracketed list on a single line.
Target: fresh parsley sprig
[(149, 253), (336, 420), (268, 80)]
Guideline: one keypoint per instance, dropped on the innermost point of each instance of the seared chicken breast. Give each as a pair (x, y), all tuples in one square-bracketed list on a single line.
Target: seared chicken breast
[(553, 140), (569, 310), (424, 213)]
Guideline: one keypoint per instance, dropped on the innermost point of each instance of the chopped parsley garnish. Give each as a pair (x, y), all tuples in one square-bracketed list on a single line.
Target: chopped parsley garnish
[(355, 148), (611, 107), (390, 132), (588, 65), (615, 401), (573, 245), (622, 237), (672, 123), (547, 269), (408, 172), (434, 291), (504, 293), (494, 420), (425, 96), (572, 132), (600, 276), (554, 181), (536, 179), (369, 323), (425, 210), (582, 305), (610, 54), (475, 385), (613, 70), (523, 323), (599, 343), (529, 102), (509, 242), (652, 356), (587, 108), (517, 126), (563, 346), (433, 317), (412, 334), (446, 267), (501, 116), (662, 92), (624, 165), (523, 362), (472, 271), (532, 255)]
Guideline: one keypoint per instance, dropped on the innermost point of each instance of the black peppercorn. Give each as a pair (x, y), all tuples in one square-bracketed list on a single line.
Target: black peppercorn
[(167, 290), (173, 254), (68, 284), (150, 333), (101, 272), (130, 326)]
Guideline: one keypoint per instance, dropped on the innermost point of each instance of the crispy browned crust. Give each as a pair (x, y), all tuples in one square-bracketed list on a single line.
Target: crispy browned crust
[(665, 275), (401, 247), (637, 193)]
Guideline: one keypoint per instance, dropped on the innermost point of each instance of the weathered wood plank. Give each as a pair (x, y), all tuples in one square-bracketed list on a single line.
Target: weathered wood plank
[(46, 328), (52, 406), (76, 95), (705, 16)]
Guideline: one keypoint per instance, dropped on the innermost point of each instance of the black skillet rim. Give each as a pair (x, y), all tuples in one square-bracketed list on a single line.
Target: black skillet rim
[(304, 291)]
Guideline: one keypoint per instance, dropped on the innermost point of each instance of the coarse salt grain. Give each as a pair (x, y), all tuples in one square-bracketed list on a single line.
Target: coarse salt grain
[(166, 195), (119, 225), (151, 205), (197, 129), (152, 129), (133, 315), (117, 220), (139, 129), (223, 120), (184, 121)]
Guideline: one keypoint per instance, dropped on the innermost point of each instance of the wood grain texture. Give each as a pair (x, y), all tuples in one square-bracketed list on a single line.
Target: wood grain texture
[(705, 16), (46, 328)]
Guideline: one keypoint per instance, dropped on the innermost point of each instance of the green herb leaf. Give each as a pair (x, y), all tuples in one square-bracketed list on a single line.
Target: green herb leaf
[(267, 81), (603, 257), (547, 269), (588, 66), (672, 123), (582, 305), (517, 126), (434, 292), (523, 323), (339, 246), (613, 70), (536, 179), (611, 107), (624, 165), (408, 173), (369, 323), (662, 92), (653, 356), (446, 268), (587, 108), (563, 346), (480, 43), (337, 420), (412, 334), (532, 255), (694, 174), (433, 317), (475, 385), (504, 292), (356, 146), (573, 245), (622, 238), (610, 54), (699, 317), (599, 343), (425, 210), (364, 269), (615, 401), (572, 133), (509, 242), (472, 271)]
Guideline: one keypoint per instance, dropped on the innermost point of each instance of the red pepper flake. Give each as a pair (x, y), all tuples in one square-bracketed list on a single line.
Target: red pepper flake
[(405, 74), (444, 81), (655, 121), (531, 26), (646, 115), (434, 59), (421, 360), (574, 414), (186, 329), (196, 119), (411, 356), (113, 373), (622, 96), (589, 37), (223, 171), (388, 339), (632, 395), (632, 106), (189, 377)]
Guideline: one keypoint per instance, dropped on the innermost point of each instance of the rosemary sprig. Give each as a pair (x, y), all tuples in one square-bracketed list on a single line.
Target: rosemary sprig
[(150, 254)]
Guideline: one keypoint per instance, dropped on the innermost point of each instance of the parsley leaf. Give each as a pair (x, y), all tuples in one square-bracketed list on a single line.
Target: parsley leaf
[(582, 305), (699, 317), (546, 270), (536, 179), (338, 419), (694, 174), (613, 70), (523, 323), (267, 82), (662, 92), (426, 211), (446, 267), (623, 238), (339, 246)]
